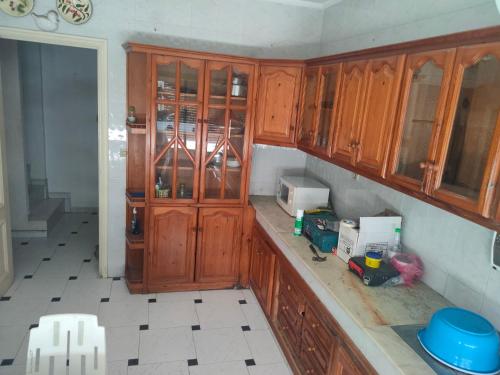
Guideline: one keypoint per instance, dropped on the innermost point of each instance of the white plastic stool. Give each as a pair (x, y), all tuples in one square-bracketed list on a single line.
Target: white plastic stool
[(71, 344)]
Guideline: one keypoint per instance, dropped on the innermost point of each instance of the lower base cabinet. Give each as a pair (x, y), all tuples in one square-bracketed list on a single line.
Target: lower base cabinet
[(193, 248), (310, 337)]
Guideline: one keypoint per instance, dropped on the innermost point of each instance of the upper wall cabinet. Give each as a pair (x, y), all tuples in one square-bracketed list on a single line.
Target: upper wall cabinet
[(382, 82), (424, 90), (277, 104), (227, 115), (175, 134), (349, 111), (468, 152), (320, 106), (309, 106), (367, 108)]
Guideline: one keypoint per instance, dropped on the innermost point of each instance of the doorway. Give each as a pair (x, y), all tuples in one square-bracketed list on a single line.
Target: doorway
[(38, 184)]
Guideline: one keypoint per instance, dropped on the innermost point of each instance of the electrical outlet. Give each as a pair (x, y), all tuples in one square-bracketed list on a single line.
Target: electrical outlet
[(495, 252)]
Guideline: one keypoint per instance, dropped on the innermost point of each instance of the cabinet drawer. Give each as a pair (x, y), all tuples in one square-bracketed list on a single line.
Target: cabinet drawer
[(286, 308), (313, 351), (318, 329), (291, 292), (288, 331)]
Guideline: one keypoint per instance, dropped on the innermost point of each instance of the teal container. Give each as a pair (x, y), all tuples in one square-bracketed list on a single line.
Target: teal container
[(324, 240)]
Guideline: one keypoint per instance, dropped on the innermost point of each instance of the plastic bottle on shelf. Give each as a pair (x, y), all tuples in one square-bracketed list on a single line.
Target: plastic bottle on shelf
[(396, 248), (297, 231)]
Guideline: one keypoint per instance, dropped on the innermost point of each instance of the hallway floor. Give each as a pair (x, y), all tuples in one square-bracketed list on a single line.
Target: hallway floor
[(196, 333)]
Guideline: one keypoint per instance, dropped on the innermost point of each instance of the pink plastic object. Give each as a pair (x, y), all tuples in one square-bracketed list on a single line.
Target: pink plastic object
[(409, 266)]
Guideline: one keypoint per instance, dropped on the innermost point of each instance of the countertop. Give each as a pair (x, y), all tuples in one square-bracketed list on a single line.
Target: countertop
[(365, 313)]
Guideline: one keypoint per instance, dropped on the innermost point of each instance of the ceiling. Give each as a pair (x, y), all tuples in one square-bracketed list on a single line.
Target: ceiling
[(316, 4)]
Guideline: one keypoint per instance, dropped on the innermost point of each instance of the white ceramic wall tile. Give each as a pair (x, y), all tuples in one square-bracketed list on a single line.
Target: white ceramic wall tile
[(462, 295), (221, 345), (166, 345)]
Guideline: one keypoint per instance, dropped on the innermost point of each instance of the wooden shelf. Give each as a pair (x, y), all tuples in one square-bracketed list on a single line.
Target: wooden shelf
[(136, 128), (135, 241), (135, 201)]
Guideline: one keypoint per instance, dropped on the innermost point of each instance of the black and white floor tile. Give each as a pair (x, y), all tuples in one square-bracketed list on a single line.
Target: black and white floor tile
[(182, 333)]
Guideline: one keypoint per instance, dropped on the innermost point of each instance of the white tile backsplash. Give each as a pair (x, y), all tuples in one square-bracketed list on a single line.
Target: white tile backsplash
[(456, 252), (271, 162)]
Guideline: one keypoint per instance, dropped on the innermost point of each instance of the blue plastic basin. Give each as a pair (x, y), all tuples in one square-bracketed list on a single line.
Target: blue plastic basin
[(463, 340)]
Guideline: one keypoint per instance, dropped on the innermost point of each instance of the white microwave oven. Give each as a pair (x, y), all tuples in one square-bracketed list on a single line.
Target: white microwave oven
[(301, 193)]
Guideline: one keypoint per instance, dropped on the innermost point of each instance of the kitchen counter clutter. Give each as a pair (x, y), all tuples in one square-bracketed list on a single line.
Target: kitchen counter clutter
[(366, 314)]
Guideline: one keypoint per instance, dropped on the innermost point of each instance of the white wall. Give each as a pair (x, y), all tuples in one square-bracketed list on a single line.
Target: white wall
[(358, 24), (271, 162), (11, 83), (250, 27), (32, 107), (70, 116)]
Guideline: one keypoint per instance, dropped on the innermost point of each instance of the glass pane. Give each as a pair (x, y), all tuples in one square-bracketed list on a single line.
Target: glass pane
[(326, 108), (166, 81), (239, 88), (309, 104), (419, 120), (475, 121), (218, 86), (164, 175), (187, 127), (237, 130), (233, 177), (189, 83), (165, 125), (213, 176), (185, 175), (216, 120)]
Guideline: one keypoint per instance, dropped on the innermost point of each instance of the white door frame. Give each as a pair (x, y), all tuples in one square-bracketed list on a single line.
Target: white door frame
[(101, 46)]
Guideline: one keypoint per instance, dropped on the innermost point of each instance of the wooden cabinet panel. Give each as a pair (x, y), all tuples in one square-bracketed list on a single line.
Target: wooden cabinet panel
[(349, 111), (382, 81), (344, 365), (316, 356), (172, 245), (309, 107), (424, 89), (288, 324), (277, 104), (468, 153), (219, 243), (262, 270)]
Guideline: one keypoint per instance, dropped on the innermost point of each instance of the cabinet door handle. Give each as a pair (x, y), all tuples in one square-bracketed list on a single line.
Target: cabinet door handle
[(311, 349), (423, 165), (194, 229), (314, 325), (284, 308)]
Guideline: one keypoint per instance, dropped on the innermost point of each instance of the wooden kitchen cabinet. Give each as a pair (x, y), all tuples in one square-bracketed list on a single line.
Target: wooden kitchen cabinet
[(468, 152), (262, 270), (367, 108), (278, 96), (351, 100), (309, 108), (344, 364), (172, 245), (381, 88), (329, 85), (424, 90), (227, 114), (219, 243)]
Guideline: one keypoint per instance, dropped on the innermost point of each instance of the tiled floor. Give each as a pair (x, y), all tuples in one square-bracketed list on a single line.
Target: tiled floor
[(197, 333)]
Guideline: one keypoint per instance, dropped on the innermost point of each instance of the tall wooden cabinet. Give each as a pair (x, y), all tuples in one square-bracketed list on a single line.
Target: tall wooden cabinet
[(188, 169)]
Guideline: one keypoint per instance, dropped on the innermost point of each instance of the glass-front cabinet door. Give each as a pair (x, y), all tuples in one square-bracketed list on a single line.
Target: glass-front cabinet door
[(225, 131), (176, 127), (468, 154), (425, 86), (329, 84), (308, 112)]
